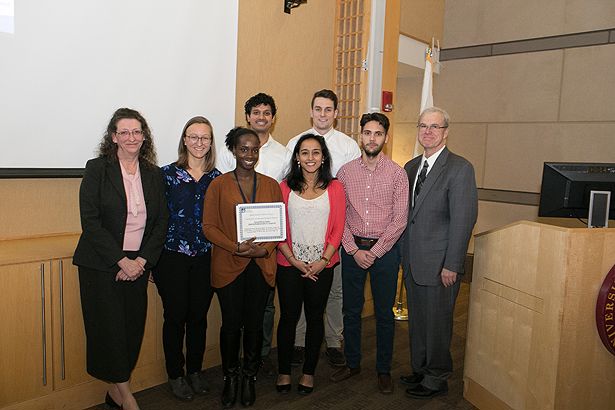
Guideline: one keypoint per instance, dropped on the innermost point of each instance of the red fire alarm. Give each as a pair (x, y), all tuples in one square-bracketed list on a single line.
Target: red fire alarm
[(387, 101)]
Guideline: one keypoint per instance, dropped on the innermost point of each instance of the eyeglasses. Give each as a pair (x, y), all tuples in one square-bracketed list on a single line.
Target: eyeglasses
[(368, 133), (126, 133), (205, 139), (432, 127)]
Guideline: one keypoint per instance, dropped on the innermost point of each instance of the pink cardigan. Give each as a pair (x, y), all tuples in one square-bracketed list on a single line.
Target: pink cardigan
[(335, 223)]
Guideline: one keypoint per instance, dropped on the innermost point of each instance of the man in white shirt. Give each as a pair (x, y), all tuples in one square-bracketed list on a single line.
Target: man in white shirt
[(343, 149), (273, 157), (273, 161)]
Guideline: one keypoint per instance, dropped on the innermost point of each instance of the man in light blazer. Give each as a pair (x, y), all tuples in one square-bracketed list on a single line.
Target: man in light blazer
[(443, 210)]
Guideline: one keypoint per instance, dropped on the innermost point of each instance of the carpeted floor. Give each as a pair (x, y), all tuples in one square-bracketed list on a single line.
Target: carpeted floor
[(356, 393)]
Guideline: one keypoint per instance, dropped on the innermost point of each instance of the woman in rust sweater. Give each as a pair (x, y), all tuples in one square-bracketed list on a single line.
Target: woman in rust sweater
[(242, 273)]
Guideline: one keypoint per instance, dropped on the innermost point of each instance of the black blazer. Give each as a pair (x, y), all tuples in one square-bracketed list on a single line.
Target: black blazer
[(103, 207)]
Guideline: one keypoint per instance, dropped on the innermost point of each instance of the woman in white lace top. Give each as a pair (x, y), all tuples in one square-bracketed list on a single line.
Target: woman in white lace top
[(316, 208)]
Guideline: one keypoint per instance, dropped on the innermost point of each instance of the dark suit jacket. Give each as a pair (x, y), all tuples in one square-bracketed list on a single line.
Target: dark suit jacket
[(102, 201), (441, 221)]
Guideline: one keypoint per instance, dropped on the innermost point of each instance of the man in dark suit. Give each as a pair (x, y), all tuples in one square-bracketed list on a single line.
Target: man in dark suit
[(443, 212)]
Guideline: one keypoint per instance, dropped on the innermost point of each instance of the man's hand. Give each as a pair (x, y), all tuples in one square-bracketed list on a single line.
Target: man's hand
[(364, 259), (448, 277)]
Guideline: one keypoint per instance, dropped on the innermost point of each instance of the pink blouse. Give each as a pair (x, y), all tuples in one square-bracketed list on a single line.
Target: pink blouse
[(137, 214)]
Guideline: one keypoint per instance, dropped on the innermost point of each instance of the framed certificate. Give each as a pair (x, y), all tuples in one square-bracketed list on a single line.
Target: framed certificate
[(264, 221)]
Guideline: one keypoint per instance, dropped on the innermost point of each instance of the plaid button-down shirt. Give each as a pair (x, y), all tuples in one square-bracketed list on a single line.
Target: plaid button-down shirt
[(376, 203)]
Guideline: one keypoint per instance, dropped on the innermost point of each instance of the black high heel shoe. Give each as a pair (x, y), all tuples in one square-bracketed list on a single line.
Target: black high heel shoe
[(283, 388), (304, 390), (111, 403)]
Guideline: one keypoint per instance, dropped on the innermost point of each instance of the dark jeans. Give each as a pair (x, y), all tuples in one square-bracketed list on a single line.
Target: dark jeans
[(242, 303), (293, 293), (183, 284), (383, 280)]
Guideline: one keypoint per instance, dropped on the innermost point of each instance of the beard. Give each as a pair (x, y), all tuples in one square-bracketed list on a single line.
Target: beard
[(373, 152)]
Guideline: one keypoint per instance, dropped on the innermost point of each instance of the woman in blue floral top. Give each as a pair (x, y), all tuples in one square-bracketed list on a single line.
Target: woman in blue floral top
[(182, 275)]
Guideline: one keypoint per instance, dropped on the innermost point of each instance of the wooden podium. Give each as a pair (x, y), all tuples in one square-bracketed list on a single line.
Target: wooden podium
[(532, 340)]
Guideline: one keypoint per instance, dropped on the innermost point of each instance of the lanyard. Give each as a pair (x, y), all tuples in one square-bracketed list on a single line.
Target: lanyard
[(245, 201)]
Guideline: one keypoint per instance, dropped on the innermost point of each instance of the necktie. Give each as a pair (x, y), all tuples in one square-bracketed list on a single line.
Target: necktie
[(421, 179)]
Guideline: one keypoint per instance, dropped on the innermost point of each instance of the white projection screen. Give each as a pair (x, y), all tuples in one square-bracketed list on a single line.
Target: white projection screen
[(70, 63)]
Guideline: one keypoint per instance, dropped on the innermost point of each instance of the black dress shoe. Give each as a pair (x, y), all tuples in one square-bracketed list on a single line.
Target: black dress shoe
[(422, 392), (412, 380), (111, 403), (229, 393), (283, 388), (248, 391), (304, 390)]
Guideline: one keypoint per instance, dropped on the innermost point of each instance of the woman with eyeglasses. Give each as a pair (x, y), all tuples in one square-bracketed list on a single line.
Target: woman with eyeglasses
[(124, 221), (242, 272), (182, 275)]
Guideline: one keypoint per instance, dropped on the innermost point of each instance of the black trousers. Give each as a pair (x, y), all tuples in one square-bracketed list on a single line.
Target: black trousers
[(242, 303), (293, 293), (184, 286), (114, 318)]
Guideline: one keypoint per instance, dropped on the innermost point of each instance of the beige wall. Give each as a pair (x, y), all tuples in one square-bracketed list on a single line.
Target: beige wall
[(470, 22), (287, 56), (421, 20), (511, 113)]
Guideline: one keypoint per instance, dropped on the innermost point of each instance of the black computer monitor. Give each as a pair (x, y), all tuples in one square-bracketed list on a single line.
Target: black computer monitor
[(566, 187)]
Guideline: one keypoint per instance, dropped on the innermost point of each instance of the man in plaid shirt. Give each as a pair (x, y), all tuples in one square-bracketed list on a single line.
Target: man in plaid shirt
[(376, 215)]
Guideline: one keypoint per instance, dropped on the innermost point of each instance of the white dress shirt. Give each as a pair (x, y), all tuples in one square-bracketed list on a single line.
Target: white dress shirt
[(430, 163), (342, 148), (273, 159)]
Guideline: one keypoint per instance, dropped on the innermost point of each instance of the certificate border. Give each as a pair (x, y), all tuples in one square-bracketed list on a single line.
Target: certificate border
[(263, 205)]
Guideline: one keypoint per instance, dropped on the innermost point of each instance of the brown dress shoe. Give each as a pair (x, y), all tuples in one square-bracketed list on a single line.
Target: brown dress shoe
[(344, 373), (385, 384)]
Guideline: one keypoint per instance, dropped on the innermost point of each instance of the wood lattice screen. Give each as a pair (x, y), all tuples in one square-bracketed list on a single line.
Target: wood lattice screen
[(351, 37)]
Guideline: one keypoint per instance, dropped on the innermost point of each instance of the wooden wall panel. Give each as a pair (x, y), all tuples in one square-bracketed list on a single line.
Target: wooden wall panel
[(34, 207), (289, 56), (422, 19)]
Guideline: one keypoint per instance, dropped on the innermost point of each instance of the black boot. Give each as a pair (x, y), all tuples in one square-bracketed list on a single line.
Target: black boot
[(229, 349), (229, 393), (248, 392)]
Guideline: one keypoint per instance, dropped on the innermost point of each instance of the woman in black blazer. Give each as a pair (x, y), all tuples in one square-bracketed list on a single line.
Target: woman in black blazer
[(124, 222)]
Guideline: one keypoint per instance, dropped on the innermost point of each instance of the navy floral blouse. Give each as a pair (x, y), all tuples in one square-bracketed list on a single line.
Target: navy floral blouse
[(185, 198)]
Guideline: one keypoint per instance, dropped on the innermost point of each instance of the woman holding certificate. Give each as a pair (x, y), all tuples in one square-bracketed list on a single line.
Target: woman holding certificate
[(316, 209), (241, 272)]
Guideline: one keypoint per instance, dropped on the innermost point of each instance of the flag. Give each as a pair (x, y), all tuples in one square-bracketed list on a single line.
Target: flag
[(426, 94)]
